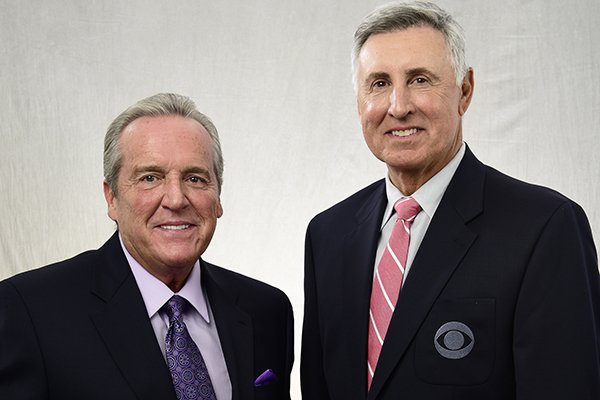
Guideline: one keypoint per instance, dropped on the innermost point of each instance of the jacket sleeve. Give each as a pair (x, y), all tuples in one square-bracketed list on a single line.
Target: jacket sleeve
[(290, 348), (22, 374), (557, 317), (312, 375)]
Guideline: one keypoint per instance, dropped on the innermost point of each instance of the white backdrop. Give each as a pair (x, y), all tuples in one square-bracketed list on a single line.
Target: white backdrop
[(275, 78)]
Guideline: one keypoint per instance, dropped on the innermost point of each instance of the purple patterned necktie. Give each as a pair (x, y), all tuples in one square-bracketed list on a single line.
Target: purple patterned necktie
[(188, 370)]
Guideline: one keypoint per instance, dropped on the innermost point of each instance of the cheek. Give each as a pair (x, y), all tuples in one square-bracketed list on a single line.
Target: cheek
[(372, 110), (208, 206), (429, 103), (141, 207), (443, 105), (377, 109)]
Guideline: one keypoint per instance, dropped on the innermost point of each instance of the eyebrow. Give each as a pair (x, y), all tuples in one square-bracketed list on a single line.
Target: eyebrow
[(422, 71), (373, 76), (146, 168), (197, 170), (155, 168)]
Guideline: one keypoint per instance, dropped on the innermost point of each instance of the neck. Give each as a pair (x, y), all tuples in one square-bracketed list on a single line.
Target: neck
[(175, 283), (407, 183), (174, 278)]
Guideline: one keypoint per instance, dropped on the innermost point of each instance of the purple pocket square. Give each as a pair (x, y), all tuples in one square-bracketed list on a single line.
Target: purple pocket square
[(265, 378)]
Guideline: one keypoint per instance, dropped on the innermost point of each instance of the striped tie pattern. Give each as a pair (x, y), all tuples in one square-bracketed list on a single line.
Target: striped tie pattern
[(388, 280)]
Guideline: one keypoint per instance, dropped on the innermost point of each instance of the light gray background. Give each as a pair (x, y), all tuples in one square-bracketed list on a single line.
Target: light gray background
[(274, 76)]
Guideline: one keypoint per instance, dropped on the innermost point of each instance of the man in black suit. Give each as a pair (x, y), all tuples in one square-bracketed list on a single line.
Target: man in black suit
[(499, 294), (103, 324)]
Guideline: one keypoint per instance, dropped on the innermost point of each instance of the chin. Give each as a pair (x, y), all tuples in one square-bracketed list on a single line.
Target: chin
[(177, 261), (403, 164)]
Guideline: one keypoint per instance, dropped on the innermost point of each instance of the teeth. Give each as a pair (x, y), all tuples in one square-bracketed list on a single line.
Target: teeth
[(174, 227), (406, 132)]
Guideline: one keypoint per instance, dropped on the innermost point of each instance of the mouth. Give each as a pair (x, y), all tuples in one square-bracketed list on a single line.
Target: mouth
[(175, 227), (403, 132)]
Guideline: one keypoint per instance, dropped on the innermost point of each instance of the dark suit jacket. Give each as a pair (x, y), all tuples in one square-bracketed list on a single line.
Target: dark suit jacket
[(514, 262), (79, 330)]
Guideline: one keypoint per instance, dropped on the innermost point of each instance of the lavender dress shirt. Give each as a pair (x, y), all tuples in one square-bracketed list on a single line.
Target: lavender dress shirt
[(199, 321)]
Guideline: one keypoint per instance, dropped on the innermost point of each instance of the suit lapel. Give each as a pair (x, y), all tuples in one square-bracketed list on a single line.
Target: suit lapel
[(235, 333), (360, 247), (445, 244), (125, 327)]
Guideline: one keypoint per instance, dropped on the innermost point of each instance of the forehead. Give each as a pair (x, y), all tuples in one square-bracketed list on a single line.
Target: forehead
[(412, 47), (169, 137)]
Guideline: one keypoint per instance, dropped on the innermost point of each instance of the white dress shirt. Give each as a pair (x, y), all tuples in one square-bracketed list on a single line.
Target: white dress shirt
[(428, 196), (198, 319)]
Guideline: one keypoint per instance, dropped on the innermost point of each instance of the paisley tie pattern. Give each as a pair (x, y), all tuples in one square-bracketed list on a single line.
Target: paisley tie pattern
[(188, 369)]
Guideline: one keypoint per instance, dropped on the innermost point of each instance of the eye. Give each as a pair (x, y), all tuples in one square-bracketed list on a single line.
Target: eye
[(454, 340), (419, 80), (148, 178), (380, 83), (197, 179)]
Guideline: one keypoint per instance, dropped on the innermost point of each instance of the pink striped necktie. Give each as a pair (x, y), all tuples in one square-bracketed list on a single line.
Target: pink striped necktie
[(388, 280)]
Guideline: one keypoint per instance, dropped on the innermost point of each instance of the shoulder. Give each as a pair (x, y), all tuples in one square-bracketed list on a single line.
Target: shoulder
[(241, 287), (38, 299), (73, 272), (525, 198), (524, 211), (477, 186), (230, 292), (52, 277), (347, 210)]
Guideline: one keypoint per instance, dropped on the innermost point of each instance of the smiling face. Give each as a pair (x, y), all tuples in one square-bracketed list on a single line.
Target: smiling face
[(409, 104), (168, 200)]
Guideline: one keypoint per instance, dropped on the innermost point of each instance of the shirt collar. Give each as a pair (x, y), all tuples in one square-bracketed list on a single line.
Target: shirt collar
[(430, 194), (155, 293)]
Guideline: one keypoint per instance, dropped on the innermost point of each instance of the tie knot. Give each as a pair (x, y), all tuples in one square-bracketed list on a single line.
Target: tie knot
[(174, 307), (407, 208)]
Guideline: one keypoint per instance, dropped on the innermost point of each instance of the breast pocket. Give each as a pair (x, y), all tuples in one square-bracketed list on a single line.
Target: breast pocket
[(455, 345), (273, 391)]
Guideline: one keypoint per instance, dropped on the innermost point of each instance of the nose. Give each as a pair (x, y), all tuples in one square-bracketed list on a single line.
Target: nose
[(400, 102), (174, 197)]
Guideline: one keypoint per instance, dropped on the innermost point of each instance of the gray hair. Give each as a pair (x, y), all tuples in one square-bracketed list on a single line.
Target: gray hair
[(395, 16), (155, 106)]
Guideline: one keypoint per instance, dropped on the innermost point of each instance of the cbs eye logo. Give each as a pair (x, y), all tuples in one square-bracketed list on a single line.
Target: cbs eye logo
[(454, 340)]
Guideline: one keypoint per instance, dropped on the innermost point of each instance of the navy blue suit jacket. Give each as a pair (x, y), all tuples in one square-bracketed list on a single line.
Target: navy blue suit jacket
[(513, 262), (79, 329)]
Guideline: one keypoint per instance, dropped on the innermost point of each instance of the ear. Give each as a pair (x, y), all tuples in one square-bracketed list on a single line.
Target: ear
[(111, 201), (219, 209), (466, 95)]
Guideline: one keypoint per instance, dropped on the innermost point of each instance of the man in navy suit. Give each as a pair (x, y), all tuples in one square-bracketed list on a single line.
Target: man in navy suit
[(103, 325), (500, 292)]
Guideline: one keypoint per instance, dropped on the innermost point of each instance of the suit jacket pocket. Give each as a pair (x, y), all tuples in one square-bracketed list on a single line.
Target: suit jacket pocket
[(272, 391), (455, 345)]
